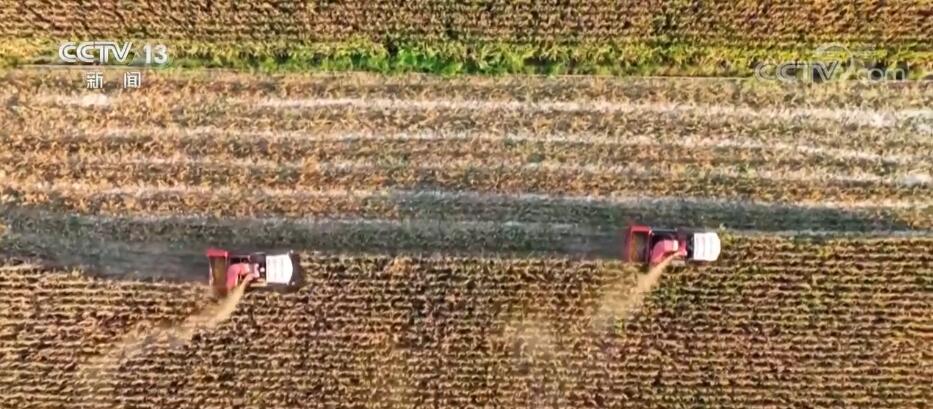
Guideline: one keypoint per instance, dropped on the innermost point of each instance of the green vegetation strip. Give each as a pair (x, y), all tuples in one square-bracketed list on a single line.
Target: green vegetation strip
[(448, 57)]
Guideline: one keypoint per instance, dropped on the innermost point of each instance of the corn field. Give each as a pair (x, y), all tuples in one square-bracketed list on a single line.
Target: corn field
[(775, 323), (460, 235), (488, 36)]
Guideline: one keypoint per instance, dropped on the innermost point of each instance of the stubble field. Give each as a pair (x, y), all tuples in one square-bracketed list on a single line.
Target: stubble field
[(460, 237)]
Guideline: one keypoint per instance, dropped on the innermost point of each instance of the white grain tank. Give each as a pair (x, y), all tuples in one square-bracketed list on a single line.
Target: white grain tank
[(706, 246)]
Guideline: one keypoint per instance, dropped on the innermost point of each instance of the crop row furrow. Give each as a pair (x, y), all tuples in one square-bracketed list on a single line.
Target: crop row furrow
[(503, 178), (884, 137)]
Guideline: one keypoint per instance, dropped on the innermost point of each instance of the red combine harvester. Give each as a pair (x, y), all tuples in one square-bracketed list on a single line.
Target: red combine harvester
[(649, 246), (278, 271)]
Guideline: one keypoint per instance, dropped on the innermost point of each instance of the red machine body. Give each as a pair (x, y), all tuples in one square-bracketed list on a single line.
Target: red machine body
[(227, 269), (649, 246)]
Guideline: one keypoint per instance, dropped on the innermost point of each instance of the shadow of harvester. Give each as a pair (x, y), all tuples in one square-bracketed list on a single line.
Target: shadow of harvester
[(172, 247)]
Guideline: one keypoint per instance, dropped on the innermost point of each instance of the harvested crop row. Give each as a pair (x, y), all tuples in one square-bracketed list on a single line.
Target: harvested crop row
[(35, 86), (884, 129), (75, 236), (484, 151), (516, 333), (891, 157), (465, 175), (391, 204), (79, 237), (882, 133)]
